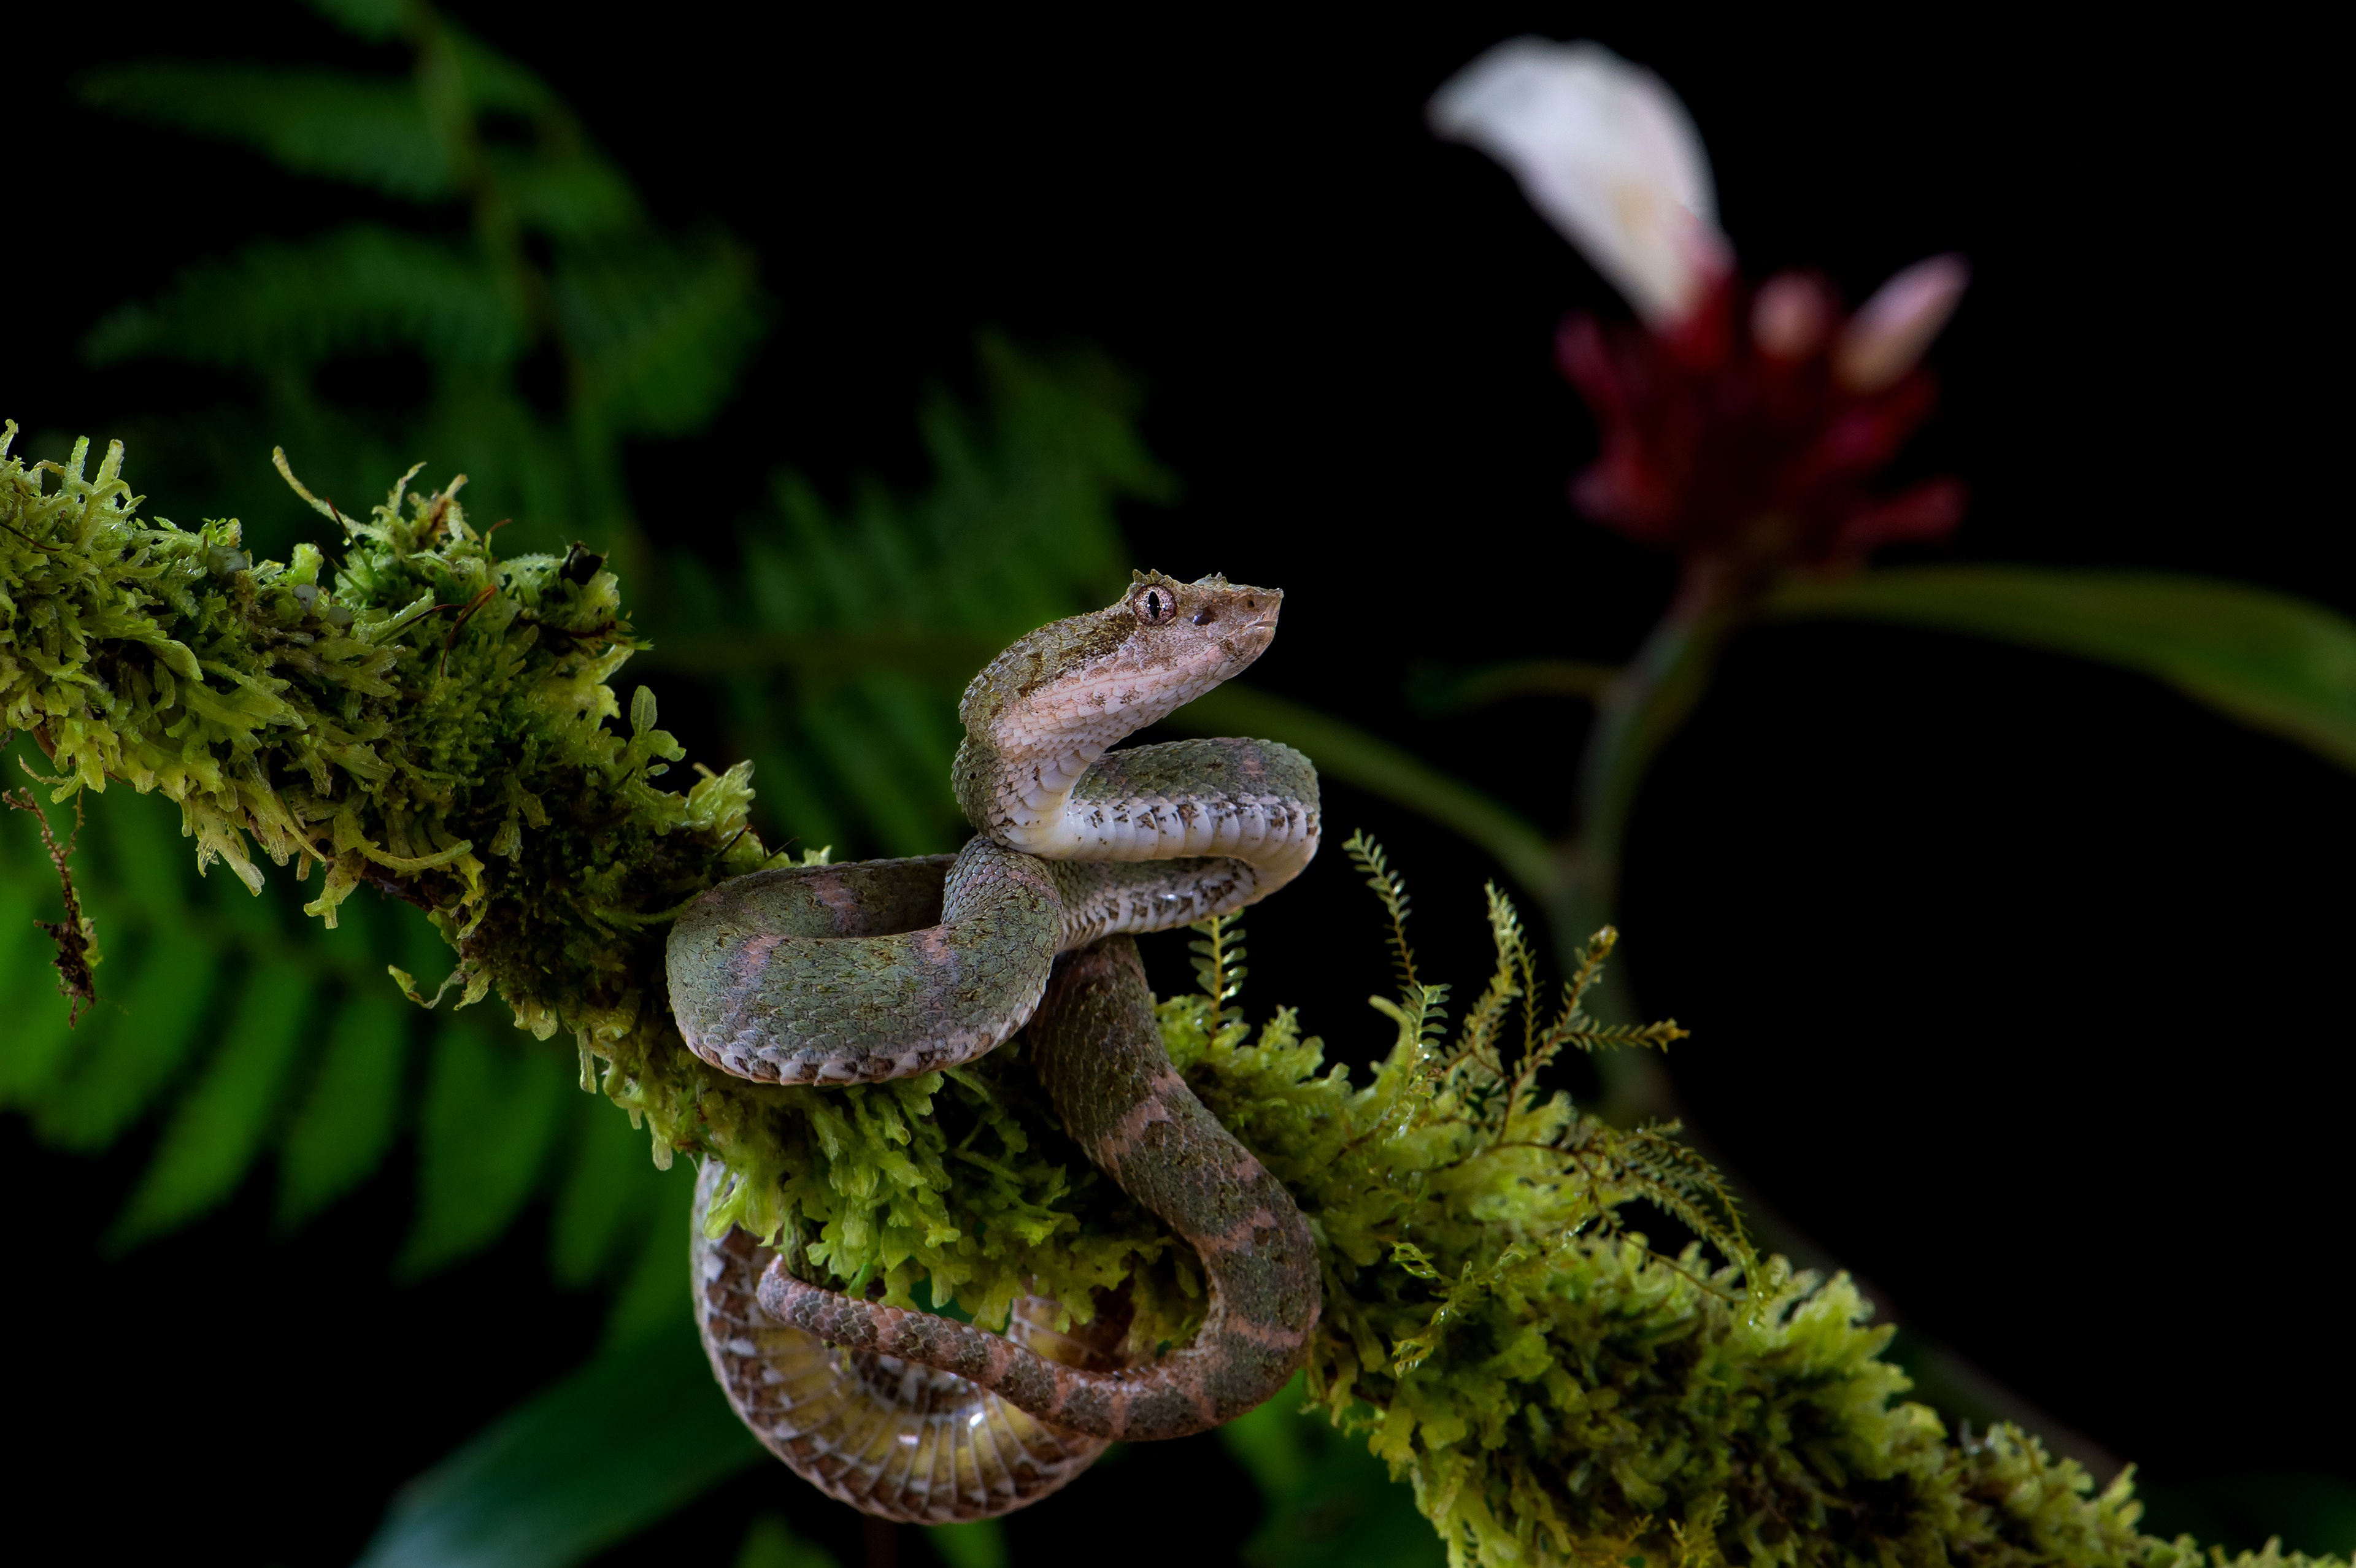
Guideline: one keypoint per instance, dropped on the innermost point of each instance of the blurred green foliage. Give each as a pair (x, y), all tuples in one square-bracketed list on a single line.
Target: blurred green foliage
[(771, 1543), (839, 643), (550, 318), (246, 1034)]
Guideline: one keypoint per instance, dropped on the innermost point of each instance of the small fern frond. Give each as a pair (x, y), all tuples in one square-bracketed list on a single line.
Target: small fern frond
[(1474, 1065), (1680, 1181), (1219, 963), (1375, 866), (1573, 1025), (1589, 1035), (1590, 973)]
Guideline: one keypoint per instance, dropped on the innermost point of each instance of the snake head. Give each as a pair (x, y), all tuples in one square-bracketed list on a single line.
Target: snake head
[(1072, 689), (1181, 639)]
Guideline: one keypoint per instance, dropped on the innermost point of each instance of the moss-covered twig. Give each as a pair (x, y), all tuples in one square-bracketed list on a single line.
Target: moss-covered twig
[(432, 720)]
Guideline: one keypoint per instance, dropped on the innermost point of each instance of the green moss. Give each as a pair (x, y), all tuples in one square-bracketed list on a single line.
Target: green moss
[(432, 720), (438, 722)]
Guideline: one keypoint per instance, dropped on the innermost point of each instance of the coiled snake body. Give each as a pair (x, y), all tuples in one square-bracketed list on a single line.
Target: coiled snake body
[(882, 969)]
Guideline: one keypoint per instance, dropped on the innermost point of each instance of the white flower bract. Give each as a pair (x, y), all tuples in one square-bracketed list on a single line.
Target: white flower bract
[(1607, 153)]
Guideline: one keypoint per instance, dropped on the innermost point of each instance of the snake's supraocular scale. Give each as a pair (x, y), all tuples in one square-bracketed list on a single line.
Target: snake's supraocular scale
[(882, 969)]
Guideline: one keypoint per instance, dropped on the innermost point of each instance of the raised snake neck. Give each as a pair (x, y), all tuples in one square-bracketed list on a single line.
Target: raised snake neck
[(882, 969)]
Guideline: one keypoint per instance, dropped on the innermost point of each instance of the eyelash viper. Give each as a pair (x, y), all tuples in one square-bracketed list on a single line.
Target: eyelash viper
[(886, 968)]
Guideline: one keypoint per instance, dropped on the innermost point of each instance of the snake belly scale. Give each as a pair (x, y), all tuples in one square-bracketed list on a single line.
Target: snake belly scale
[(886, 968)]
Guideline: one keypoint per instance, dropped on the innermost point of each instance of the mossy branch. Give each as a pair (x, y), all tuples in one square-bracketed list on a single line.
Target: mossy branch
[(438, 723)]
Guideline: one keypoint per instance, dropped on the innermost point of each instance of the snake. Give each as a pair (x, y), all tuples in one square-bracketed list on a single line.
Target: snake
[(882, 969)]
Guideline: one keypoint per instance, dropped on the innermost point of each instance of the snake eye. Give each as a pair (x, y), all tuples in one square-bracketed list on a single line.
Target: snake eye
[(1156, 606)]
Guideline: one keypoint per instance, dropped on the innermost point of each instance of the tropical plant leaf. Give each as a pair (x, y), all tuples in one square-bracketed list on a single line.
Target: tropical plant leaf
[(2269, 660), (593, 1459)]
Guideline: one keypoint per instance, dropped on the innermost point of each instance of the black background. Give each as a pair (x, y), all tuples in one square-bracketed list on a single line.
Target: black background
[(2017, 983)]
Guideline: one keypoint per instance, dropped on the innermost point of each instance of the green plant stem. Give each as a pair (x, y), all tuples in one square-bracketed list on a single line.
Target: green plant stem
[(1435, 691), (1643, 705)]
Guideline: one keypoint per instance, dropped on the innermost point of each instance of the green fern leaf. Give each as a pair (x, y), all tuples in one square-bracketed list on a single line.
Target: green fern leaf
[(367, 130), (603, 1202), (490, 79), (491, 1115), (661, 335), (650, 1300), (345, 1124), (360, 290), (218, 1129), (566, 192)]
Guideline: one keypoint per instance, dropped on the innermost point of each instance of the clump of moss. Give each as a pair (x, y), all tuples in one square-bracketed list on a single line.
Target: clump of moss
[(1556, 1391), (437, 722)]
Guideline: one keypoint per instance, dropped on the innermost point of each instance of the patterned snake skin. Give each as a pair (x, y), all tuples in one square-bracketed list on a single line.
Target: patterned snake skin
[(882, 969)]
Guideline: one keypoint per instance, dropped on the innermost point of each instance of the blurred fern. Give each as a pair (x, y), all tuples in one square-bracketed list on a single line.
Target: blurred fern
[(557, 274), (250, 1035), (849, 637)]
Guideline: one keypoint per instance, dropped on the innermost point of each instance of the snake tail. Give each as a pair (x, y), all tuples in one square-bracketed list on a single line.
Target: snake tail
[(888, 1436), (1099, 1052)]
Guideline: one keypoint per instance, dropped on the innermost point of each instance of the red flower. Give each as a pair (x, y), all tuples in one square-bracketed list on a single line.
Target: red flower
[(1750, 428), (1743, 428)]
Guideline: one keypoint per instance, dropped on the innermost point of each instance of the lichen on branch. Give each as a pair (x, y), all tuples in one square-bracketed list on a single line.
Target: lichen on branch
[(430, 721)]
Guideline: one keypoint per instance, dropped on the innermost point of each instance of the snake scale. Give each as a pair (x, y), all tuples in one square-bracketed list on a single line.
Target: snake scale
[(885, 969)]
